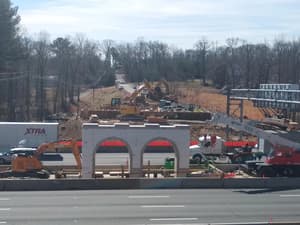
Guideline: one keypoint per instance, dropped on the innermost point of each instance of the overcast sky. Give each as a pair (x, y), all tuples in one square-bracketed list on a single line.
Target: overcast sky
[(177, 22)]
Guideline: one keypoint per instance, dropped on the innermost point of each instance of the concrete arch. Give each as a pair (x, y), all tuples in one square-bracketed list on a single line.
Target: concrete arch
[(174, 146), (114, 138), (136, 137)]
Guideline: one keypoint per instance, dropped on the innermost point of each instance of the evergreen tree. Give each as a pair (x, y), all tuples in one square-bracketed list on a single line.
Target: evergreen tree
[(9, 38)]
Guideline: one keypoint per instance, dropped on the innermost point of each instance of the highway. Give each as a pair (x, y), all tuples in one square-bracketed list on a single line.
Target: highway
[(113, 159), (137, 207)]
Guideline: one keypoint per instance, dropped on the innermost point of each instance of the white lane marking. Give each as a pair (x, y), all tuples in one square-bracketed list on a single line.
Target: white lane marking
[(241, 223), (3, 222), (286, 196), (148, 196), (4, 199), (162, 206), (172, 219), (232, 223), (5, 209), (177, 224)]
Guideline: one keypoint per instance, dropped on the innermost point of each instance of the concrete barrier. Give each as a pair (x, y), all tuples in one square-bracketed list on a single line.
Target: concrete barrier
[(144, 183), (67, 184)]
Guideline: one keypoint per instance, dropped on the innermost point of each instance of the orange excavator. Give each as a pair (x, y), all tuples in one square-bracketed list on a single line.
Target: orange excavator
[(30, 165)]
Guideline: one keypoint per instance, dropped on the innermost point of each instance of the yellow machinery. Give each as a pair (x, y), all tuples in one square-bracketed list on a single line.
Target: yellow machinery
[(164, 86), (30, 165), (130, 107), (158, 91), (126, 108)]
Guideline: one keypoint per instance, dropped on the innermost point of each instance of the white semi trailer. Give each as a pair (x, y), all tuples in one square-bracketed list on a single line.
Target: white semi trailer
[(28, 134)]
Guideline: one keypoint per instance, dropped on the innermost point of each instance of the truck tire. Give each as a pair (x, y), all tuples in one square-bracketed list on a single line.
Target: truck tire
[(289, 172), (197, 159), (266, 171), (2, 161), (43, 174), (238, 160)]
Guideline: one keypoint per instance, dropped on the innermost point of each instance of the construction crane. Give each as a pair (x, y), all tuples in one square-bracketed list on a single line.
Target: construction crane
[(158, 91), (283, 160), (130, 105), (133, 98), (30, 165)]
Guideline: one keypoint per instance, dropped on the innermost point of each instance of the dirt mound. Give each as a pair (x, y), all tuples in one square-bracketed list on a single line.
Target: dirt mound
[(209, 99), (97, 98)]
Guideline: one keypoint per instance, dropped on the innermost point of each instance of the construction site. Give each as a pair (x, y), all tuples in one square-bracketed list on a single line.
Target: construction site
[(184, 129)]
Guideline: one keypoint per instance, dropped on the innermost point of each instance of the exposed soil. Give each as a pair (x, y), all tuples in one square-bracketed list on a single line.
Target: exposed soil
[(209, 99)]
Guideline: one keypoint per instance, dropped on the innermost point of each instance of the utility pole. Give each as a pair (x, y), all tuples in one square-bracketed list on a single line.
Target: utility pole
[(227, 111), (241, 114)]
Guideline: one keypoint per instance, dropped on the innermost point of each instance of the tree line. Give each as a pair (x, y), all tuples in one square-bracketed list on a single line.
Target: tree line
[(237, 63), (40, 76)]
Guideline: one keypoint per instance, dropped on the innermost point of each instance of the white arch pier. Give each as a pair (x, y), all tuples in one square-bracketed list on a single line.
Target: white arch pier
[(136, 137)]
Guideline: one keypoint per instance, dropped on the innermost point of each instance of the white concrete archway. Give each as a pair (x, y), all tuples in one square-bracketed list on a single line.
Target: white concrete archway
[(175, 152), (122, 162), (136, 137)]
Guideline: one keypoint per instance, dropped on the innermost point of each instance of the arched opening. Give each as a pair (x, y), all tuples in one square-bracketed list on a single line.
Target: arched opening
[(112, 158), (159, 158)]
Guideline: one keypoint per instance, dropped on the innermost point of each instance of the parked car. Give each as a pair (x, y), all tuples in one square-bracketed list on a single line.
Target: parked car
[(6, 157)]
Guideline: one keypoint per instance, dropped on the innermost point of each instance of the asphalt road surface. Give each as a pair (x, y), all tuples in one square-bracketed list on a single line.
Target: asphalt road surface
[(114, 159), (137, 207)]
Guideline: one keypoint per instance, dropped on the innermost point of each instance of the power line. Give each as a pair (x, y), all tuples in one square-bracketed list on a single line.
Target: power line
[(13, 78), (41, 78), (11, 73)]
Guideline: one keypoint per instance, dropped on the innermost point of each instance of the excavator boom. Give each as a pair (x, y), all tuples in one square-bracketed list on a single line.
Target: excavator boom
[(63, 144)]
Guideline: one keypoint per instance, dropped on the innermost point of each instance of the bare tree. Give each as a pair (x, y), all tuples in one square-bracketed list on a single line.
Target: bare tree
[(77, 66), (42, 49), (28, 48), (202, 47), (263, 61), (231, 58), (294, 62), (279, 51)]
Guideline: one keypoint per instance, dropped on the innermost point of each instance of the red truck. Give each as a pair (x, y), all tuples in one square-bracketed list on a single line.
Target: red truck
[(283, 160)]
